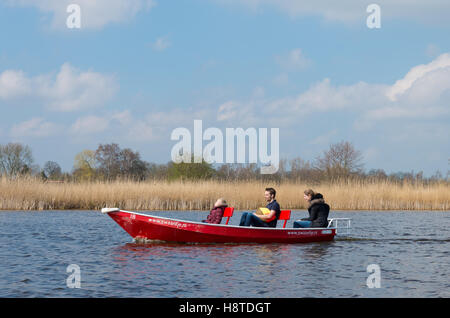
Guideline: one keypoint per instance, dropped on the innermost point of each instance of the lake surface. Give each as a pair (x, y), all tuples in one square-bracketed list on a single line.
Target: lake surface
[(411, 250)]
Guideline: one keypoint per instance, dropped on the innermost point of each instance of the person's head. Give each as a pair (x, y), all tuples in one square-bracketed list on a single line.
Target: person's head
[(269, 194), (220, 202), (308, 194)]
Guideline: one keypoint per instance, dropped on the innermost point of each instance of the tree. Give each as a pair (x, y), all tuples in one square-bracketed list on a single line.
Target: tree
[(131, 165), (52, 170), (190, 170), (340, 160), (113, 162), (437, 176), (378, 174), (108, 159), (157, 171), (15, 159), (85, 165), (302, 170), (226, 171)]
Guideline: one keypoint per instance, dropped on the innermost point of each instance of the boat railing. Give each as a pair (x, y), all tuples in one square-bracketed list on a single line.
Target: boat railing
[(343, 225)]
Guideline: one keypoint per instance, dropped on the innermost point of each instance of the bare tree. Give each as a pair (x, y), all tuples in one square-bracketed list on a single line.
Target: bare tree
[(114, 162), (303, 170), (108, 159), (15, 159), (340, 160), (131, 165), (377, 174), (52, 170)]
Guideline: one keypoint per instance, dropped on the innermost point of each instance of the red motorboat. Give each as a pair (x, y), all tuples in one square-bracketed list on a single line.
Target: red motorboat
[(150, 227)]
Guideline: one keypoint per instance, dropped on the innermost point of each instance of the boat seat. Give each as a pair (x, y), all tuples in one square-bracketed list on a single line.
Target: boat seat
[(285, 215), (228, 213)]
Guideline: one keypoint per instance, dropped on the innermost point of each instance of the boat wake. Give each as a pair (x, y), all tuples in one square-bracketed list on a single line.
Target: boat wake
[(143, 240), (418, 240)]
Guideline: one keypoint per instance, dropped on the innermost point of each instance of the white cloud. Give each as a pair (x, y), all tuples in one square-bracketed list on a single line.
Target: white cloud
[(242, 113), (123, 125), (432, 50), (323, 96), (324, 139), (68, 90), (94, 14), (89, 125), (74, 90), (159, 125), (295, 60), (35, 127), (92, 124), (161, 44), (423, 93), (281, 79), (351, 11), (416, 73), (123, 118), (13, 84), (422, 100), (228, 110), (258, 92), (142, 131)]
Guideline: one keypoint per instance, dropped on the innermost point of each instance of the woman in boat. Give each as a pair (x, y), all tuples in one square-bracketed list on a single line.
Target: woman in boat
[(318, 211), (216, 214)]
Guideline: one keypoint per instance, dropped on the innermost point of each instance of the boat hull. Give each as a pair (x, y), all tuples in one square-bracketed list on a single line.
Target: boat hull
[(149, 227)]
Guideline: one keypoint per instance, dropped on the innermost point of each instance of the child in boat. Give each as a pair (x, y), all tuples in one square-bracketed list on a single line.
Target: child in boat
[(216, 214)]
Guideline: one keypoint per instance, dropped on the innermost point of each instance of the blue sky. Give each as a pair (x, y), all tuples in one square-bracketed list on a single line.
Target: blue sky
[(138, 69)]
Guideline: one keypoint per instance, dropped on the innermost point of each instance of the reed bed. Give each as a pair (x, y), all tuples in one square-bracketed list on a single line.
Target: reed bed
[(33, 194)]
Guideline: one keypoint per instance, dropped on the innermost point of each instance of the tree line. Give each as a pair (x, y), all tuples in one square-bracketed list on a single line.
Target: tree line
[(109, 162)]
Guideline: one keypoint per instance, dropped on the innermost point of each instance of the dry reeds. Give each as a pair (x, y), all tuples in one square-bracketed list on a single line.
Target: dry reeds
[(33, 194)]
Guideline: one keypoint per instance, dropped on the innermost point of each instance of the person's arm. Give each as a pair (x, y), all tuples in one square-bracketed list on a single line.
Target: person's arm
[(313, 215), (308, 218), (269, 216), (216, 215)]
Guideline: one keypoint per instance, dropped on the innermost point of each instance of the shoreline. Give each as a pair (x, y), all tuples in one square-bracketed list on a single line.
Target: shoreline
[(35, 195)]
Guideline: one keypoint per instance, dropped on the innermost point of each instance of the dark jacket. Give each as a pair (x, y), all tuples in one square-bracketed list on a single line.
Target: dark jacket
[(215, 216), (274, 205), (318, 212)]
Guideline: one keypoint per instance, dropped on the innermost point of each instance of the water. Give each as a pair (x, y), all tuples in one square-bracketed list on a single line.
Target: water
[(412, 250)]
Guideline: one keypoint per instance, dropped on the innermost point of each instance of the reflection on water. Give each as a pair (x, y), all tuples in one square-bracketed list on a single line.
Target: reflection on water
[(317, 251), (413, 260)]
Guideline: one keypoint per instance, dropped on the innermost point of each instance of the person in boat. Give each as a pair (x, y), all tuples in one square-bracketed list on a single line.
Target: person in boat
[(216, 213), (318, 211), (268, 220)]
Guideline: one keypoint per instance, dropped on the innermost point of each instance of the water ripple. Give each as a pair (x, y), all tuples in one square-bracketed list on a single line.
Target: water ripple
[(37, 249)]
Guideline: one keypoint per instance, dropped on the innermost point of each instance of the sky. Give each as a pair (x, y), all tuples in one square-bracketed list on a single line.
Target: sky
[(135, 70)]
